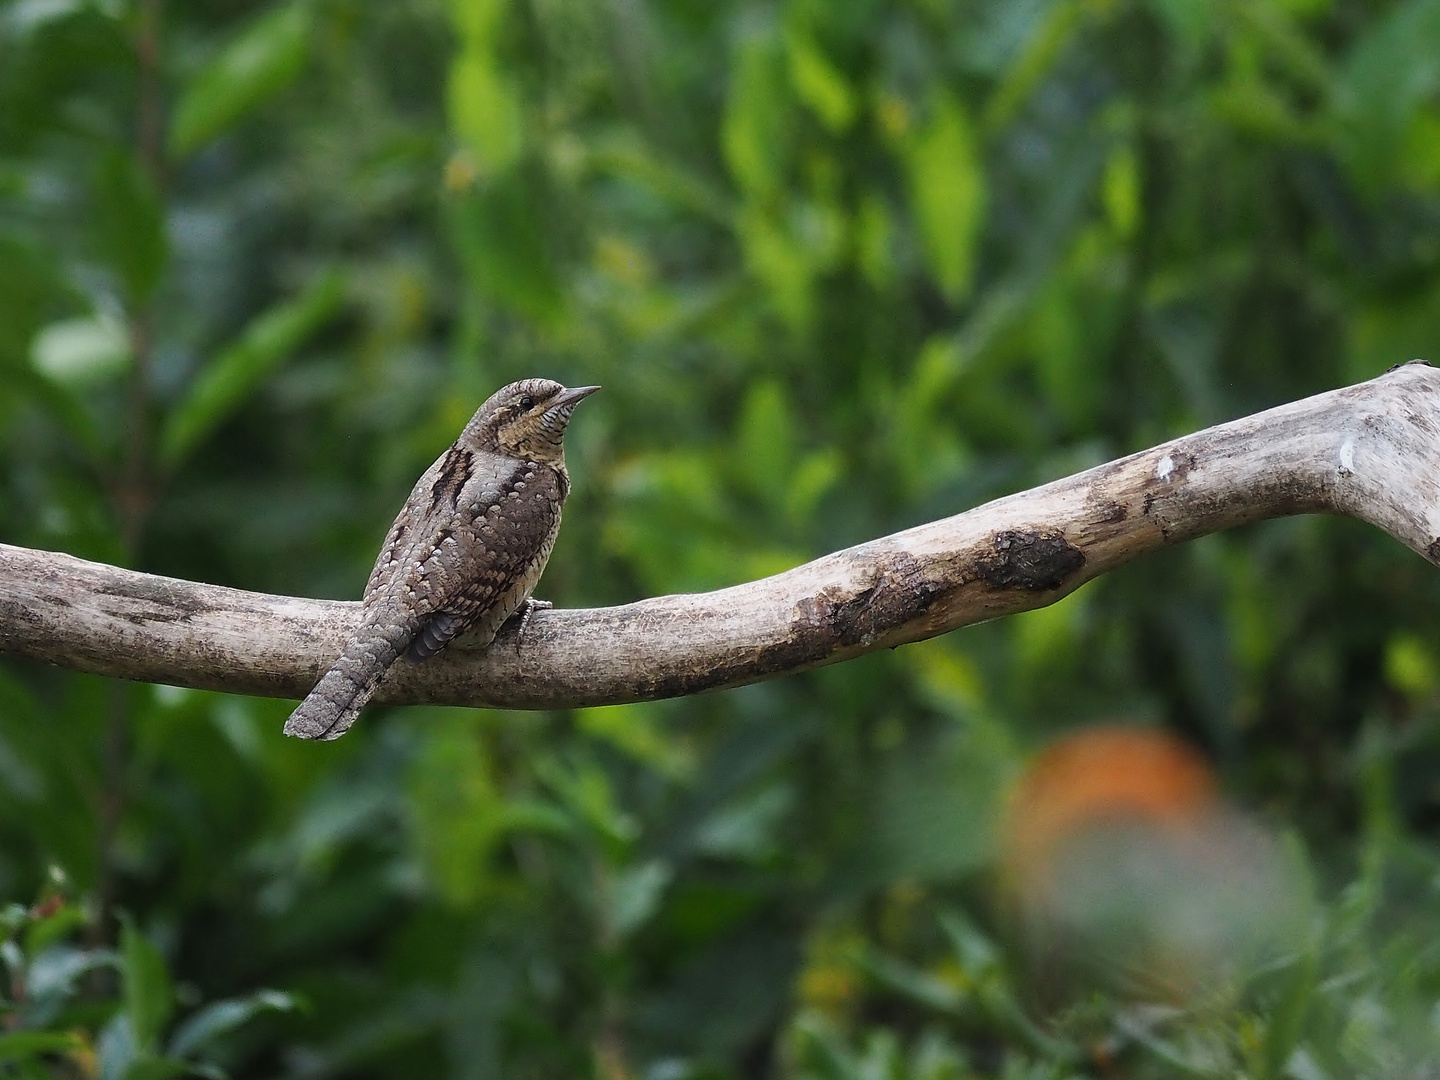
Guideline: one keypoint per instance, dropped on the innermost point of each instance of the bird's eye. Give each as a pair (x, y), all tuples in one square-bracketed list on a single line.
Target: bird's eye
[(527, 402)]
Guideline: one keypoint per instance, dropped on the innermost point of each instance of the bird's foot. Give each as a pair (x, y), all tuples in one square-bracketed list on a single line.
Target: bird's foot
[(521, 618)]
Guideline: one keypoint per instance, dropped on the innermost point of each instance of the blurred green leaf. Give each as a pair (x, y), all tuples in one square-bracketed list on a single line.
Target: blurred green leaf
[(947, 193), (237, 372), (1386, 76), (626, 156), (499, 229), (756, 125), (162, 1068), (587, 791), (1288, 1018), (1051, 35), (149, 997), (483, 103), (1190, 21), (478, 22), (746, 828), (21, 1045), (815, 475), (27, 16), (901, 978), (31, 292), (486, 112), (128, 230), (779, 260), (459, 815), (53, 972), (1121, 190), (1420, 153), (220, 1018), (1410, 667), (116, 1048), (819, 84), (766, 437), (638, 730), (262, 59), (874, 240), (635, 894)]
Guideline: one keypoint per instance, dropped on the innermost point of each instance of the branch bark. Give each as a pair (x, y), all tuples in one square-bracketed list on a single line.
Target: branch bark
[(1370, 451)]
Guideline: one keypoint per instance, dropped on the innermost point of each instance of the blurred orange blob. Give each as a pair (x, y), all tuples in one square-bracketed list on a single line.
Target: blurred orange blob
[(1123, 861), (1099, 777)]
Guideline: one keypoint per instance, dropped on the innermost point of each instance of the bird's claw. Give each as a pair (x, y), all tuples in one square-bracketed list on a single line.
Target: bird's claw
[(527, 609)]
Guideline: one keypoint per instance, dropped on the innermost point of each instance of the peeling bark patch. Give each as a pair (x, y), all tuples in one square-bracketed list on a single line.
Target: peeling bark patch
[(1174, 467), (1112, 513), (900, 593), (1035, 562)]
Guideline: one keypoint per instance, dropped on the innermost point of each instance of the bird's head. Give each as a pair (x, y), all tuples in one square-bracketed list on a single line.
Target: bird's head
[(527, 419)]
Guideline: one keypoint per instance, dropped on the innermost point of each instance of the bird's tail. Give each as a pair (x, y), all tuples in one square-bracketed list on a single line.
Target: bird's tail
[(344, 690)]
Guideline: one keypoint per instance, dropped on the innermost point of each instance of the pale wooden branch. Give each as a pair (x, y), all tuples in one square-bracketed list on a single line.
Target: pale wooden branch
[(1370, 451)]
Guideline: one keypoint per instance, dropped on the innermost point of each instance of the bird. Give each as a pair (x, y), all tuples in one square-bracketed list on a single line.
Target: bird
[(465, 551)]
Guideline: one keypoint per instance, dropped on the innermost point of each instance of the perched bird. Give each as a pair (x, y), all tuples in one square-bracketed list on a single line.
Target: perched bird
[(464, 553)]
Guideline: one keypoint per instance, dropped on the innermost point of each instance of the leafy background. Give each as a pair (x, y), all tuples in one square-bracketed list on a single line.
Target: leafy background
[(841, 268)]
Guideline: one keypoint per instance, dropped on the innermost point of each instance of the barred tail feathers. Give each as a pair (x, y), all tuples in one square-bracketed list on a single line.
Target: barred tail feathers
[(332, 706), (437, 632)]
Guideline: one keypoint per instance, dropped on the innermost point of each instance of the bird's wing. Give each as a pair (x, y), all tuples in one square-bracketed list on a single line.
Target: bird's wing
[(480, 531), (401, 536)]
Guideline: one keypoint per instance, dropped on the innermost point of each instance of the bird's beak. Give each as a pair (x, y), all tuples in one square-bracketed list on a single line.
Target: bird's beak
[(568, 399)]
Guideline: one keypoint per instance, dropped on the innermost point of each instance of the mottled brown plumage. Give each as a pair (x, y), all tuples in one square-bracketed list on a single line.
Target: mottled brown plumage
[(463, 554)]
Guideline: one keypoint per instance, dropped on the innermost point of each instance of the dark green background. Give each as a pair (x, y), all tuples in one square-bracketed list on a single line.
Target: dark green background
[(841, 267)]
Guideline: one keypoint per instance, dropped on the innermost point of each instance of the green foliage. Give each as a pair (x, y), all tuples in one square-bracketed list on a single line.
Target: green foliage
[(262, 59), (128, 226), (484, 110), (238, 371), (148, 995), (56, 1027), (1388, 78), (841, 268), (948, 194)]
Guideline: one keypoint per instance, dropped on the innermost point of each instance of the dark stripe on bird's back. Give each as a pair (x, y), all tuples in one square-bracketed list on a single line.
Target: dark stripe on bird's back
[(454, 472)]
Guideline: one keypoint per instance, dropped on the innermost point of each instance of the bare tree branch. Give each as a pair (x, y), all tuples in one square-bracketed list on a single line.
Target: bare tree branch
[(1370, 451)]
